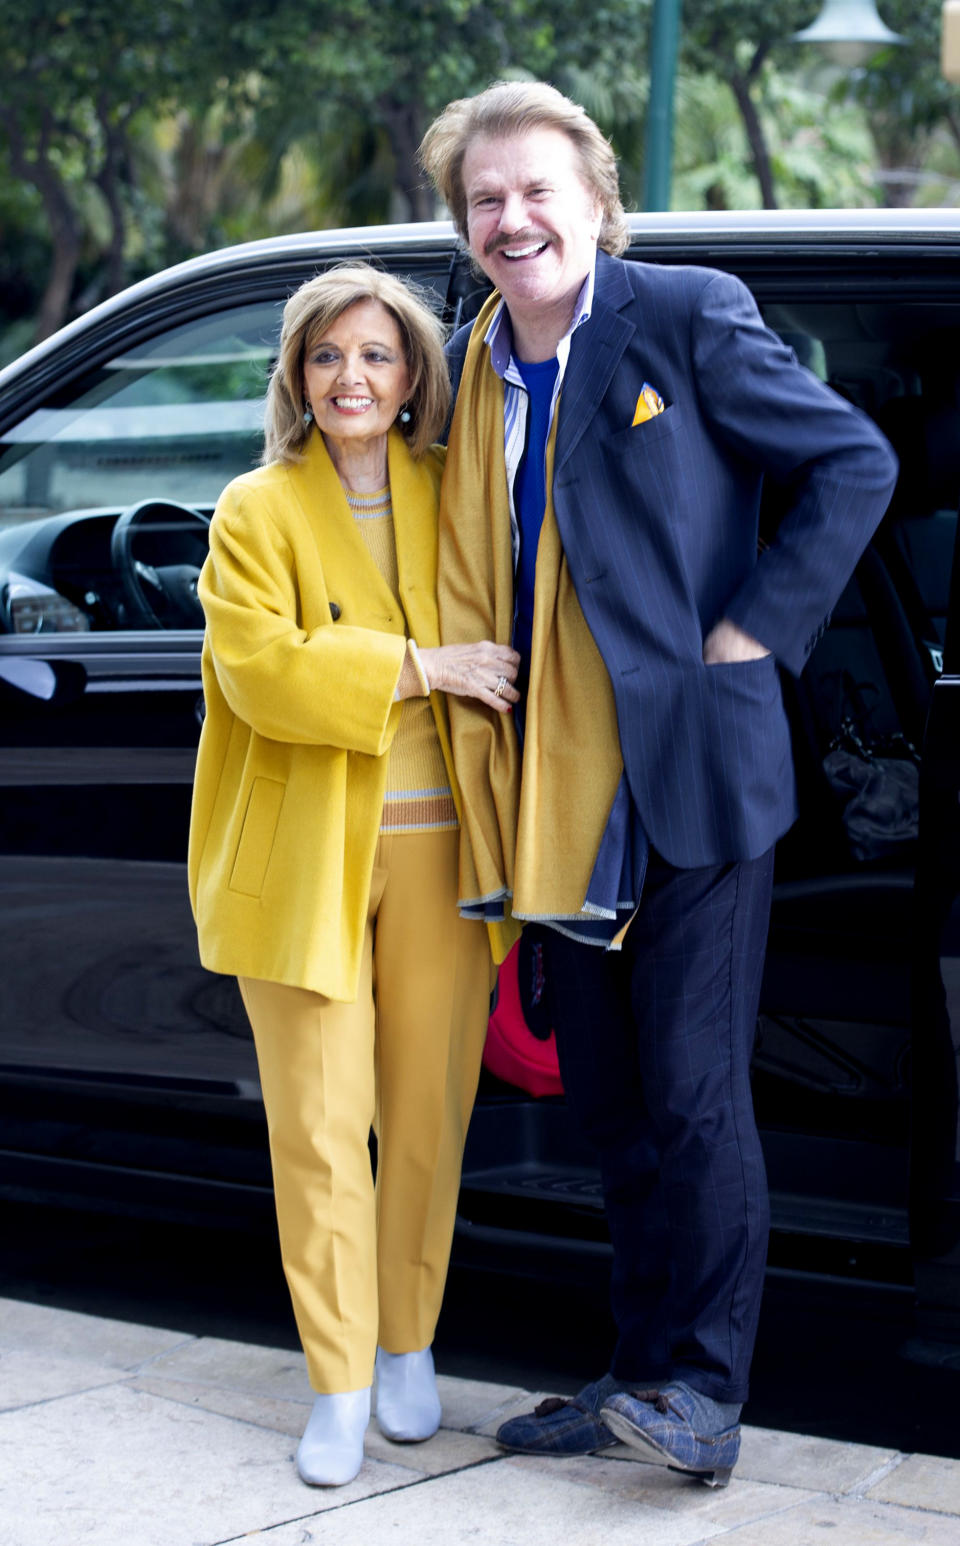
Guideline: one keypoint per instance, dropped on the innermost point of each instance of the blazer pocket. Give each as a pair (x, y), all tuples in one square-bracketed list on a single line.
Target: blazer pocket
[(257, 836), (639, 437), (754, 681)]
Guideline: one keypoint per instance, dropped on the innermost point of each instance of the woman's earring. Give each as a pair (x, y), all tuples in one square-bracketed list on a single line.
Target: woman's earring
[(308, 416), (405, 414)]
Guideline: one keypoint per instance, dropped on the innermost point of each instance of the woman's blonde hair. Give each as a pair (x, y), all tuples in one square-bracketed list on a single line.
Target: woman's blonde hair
[(307, 315), (513, 107)]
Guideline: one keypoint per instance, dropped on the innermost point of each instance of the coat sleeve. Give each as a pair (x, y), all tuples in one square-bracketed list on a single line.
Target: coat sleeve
[(771, 411), (332, 685)]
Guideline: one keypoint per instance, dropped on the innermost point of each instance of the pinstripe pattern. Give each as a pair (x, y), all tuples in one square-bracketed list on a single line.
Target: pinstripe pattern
[(659, 524), (655, 1047), (659, 527)]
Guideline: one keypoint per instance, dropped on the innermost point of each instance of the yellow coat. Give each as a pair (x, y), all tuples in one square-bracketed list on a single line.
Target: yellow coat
[(303, 651)]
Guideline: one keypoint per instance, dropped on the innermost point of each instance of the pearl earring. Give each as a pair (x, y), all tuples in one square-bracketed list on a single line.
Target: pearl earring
[(405, 415), (307, 416)]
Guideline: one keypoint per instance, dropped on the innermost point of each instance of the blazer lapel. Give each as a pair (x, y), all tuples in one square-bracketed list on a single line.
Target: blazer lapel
[(595, 352)]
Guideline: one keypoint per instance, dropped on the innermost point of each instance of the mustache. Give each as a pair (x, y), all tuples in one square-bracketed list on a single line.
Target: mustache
[(516, 239)]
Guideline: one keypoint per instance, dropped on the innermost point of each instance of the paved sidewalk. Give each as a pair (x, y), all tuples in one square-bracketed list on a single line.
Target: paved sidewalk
[(121, 1435)]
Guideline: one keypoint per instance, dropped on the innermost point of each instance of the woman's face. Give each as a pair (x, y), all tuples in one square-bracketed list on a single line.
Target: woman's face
[(355, 376)]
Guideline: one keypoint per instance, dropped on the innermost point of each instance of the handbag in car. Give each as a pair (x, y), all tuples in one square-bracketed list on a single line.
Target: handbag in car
[(879, 786)]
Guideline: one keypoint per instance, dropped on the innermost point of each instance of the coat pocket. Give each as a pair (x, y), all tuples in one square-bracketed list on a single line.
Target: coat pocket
[(256, 836), (640, 437)]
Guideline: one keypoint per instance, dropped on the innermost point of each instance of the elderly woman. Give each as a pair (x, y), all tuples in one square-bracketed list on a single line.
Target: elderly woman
[(323, 853)]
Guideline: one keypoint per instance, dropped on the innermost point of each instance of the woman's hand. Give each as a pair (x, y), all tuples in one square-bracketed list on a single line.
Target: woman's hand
[(474, 671)]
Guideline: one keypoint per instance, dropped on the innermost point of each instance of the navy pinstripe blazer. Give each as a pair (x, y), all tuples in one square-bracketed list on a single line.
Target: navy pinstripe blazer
[(659, 523)]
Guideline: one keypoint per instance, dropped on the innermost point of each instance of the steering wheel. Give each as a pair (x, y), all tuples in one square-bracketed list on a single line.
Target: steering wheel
[(160, 595)]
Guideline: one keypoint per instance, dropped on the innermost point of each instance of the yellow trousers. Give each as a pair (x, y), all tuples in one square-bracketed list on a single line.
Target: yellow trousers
[(364, 1263)]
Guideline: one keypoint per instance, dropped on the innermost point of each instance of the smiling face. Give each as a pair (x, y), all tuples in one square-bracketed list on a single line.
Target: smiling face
[(532, 223), (355, 376)]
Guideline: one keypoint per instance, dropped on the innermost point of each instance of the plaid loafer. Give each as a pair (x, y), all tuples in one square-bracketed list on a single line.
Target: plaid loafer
[(570, 1426), (661, 1421)]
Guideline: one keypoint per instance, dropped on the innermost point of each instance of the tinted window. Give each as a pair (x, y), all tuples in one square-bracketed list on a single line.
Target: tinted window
[(173, 419), (177, 416)]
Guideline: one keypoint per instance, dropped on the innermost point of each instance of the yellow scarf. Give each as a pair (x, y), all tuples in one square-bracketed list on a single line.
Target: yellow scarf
[(532, 837)]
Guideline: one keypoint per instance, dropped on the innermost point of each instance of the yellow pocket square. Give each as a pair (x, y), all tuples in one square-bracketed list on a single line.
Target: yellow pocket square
[(649, 404)]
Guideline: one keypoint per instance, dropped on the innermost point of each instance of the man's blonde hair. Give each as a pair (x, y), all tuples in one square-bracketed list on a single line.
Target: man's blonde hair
[(307, 315), (508, 108)]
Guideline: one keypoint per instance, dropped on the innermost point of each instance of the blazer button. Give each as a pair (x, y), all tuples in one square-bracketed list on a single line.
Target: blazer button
[(334, 610)]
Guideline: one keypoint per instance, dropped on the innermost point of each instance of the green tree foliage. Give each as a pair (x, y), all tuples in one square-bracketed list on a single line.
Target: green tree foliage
[(133, 134), (816, 159), (800, 114), (914, 114), (369, 78), (78, 76), (734, 39), (157, 127)]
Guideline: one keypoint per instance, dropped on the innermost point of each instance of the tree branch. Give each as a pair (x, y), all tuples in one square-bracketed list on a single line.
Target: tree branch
[(756, 138), (64, 225)]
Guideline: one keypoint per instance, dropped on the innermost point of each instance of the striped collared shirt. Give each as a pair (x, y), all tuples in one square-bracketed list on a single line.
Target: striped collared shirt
[(499, 340)]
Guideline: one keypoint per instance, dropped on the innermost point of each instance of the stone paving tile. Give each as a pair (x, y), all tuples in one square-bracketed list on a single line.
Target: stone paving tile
[(448, 1450), (124, 1468), (798, 1460), (275, 1373), (287, 1417), (500, 1504), (668, 1493), (120, 1344), (475, 1403), (513, 1403), (29, 1377), (124, 1435), (922, 1481), (519, 1501), (849, 1522)]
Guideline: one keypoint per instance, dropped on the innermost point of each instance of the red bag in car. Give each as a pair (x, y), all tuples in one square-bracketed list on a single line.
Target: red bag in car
[(521, 1048)]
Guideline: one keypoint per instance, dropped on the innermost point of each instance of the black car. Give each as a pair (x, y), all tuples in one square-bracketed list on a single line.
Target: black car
[(127, 1073)]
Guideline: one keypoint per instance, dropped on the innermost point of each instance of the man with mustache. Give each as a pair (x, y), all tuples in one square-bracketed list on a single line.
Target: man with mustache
[(614, 426)]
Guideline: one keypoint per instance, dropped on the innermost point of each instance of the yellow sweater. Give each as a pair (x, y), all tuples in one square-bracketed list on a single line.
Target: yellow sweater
[(418, 797)]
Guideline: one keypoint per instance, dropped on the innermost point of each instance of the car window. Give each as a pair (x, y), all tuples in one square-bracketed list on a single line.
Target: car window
[(170, 421), (179, 416)]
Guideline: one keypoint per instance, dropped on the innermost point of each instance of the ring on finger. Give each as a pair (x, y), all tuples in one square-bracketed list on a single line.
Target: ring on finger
[(501, 684)]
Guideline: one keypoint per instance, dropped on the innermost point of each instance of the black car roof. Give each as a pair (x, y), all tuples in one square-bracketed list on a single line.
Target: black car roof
[(419, 242)]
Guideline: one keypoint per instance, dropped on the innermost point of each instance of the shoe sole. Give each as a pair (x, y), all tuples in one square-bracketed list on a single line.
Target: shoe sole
[(635, 1437), (336, 1479), (555, 1454), (407, 1438)]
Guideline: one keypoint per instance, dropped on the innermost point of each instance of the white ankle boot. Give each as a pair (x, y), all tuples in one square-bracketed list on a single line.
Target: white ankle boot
[(408, 1407), (331, 1450)]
